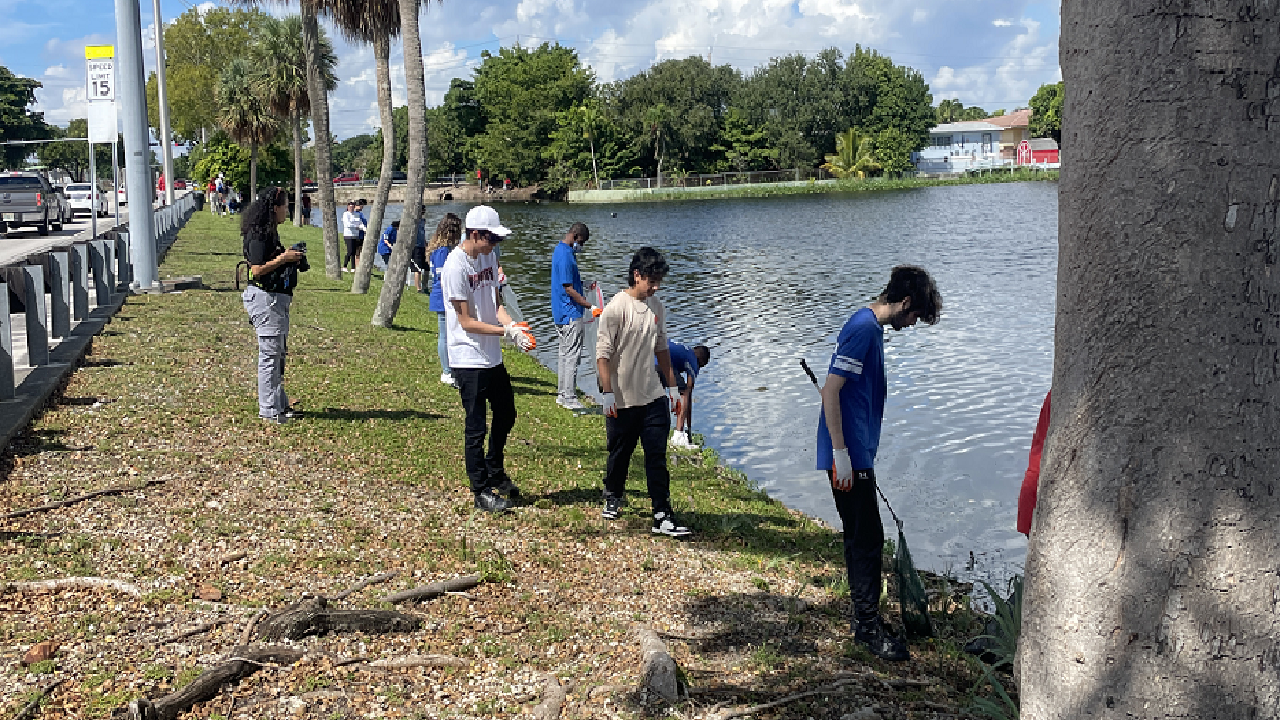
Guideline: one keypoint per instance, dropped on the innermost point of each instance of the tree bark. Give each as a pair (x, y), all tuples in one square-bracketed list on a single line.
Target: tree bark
[(435, 589), (253, 172), (1151, 583), (243, 663), (393, 281), (296, 121), (319, 96), (313, 617), (382, 59)]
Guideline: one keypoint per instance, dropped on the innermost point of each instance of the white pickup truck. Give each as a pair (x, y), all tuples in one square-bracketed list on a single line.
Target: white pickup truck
[(27, 199)]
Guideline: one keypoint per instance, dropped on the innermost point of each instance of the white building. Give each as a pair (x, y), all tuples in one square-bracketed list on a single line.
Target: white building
[(961, 146)]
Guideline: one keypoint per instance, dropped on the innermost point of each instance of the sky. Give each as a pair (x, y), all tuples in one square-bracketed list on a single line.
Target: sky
[(991, 53)]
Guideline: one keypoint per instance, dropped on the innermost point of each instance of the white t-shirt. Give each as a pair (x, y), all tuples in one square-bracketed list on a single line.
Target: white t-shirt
[(475, 281), (352, 224), (630, 332)]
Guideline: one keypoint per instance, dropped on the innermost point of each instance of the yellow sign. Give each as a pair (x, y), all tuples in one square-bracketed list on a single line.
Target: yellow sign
[(94, 52)]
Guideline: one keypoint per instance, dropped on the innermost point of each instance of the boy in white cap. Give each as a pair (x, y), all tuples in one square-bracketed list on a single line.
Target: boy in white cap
[(477, 323)]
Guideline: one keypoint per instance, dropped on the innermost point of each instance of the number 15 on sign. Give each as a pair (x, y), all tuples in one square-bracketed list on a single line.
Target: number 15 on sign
[(102, 84)]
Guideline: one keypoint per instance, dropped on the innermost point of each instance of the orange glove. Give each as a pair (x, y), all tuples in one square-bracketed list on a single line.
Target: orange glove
[(520, 334), (673, 400), (595, 311)]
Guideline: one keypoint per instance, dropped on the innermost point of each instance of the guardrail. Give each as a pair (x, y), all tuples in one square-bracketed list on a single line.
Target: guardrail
[(56, 300)]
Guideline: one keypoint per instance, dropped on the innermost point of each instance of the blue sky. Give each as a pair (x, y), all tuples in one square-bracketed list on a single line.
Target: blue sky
[(993, 53)]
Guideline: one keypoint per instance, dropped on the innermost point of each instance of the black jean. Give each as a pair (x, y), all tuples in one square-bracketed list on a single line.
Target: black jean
[(354, 245), (480, 387), (863, 542), (648, 424)]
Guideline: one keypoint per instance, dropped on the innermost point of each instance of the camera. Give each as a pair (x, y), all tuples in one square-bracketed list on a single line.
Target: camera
[(300, 247), (303, 265)]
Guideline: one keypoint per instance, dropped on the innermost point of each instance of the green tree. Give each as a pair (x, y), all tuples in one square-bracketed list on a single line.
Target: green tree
[(855, 155), (802, 100), (1046, 112), (745, 146), (16, 121), (893, 148), (245, 115)]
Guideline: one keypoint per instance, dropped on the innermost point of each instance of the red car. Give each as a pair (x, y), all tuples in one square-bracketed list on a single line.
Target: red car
[(347, 178), (179, 184)]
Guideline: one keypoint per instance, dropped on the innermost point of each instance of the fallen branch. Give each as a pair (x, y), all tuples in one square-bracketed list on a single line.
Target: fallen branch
[(28, 711), (243, 663), (74, 582), (409, 661), (81, 498), (435, 589), (248, 629), (194, 631), (228, 559), (383, 577), (756, 709), (658, 671), (312, 617), (552, 699)]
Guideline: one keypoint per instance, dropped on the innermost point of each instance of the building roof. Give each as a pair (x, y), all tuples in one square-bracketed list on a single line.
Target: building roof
[(1017, 118), (1042, 144), (967, 126)]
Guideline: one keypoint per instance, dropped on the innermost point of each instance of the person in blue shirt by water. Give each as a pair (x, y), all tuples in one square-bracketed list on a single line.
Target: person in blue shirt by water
[(567, 306), (685, 363), (849, 435), (445, 239), (387, 242)]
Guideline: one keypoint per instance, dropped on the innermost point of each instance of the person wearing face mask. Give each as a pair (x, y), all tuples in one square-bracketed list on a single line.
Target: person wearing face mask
[(567, 306), (632, 332)]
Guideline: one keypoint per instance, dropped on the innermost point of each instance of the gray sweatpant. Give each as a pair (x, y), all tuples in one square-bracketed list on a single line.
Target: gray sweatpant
[(570, 355), (269, 313)]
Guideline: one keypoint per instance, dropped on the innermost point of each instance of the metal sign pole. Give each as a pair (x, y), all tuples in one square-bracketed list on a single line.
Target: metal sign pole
[(162, 96), (93, 194), (115, 179), (133, 109)]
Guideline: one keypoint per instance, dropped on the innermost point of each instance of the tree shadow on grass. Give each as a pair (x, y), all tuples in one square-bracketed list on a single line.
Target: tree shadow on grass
[(330, 413)]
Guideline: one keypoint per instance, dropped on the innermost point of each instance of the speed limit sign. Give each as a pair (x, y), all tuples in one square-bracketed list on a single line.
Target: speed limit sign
[(100, 91), (102, 80)]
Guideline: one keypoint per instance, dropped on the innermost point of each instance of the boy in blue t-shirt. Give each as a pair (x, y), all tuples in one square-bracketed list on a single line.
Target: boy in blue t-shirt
[(849, 435), (685, 363), (567, 306)]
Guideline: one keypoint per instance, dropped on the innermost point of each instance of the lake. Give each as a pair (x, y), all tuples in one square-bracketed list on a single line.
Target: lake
[(765, 282)]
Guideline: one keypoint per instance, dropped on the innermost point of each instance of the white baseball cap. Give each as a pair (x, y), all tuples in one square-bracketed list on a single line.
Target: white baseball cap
[(483, 217)]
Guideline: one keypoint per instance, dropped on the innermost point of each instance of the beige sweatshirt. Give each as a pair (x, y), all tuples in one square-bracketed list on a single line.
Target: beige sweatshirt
[(631, 331)]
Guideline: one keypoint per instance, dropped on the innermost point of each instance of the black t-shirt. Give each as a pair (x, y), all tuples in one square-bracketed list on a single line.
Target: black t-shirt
[(261, 248)]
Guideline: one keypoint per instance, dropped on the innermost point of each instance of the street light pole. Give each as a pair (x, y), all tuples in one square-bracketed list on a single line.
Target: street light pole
[(164, 107), (133, 116)]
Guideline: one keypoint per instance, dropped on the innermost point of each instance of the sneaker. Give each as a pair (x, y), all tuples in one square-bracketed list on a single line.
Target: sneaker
[(279, 419), (447, 379), (877, 639), (570, 404), (680, 441), (489, 502), (612, 507), (508, 489), (664, 523)]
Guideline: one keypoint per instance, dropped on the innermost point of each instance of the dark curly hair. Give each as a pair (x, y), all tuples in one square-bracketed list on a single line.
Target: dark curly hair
[(649, 263), (914, 282), (259, 217)]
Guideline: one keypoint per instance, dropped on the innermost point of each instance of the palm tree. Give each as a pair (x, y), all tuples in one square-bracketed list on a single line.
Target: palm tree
[(855, 154), (282, 80), (244, 115), (375, 22), (318, 93)]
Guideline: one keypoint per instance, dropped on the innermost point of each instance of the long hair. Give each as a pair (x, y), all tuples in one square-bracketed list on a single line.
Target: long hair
[(260, 216), (447, 233)]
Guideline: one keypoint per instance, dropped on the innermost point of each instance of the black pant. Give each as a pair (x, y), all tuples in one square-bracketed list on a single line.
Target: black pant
[(478, 386), (863, 542), (354, 245), (648, 424)]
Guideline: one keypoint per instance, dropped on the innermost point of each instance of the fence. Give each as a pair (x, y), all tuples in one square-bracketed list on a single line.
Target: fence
[(754, 177)]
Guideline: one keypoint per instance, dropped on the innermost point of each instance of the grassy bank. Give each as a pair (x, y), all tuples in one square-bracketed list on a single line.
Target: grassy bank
[(846, 185), (371, 480)]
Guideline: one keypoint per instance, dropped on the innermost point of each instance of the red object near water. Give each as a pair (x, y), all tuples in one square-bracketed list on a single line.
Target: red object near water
[(1031, 481)]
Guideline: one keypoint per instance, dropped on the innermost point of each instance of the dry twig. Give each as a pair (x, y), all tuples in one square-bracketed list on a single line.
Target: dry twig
[(194, 631), (552, 699), (756, 709), (29, 710), (409, 661), (248, 629), (81, 498), (74, 582), (435, 589), (383, 577)]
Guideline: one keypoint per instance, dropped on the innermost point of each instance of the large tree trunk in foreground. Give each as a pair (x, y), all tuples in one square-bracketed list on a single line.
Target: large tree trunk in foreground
[(322, 139), (393, 281), (1151, 575), (382, 59)]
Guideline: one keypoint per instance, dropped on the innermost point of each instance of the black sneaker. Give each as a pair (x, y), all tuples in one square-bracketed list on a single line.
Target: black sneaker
[(508, 489), (612, 506), (489, 502), (875, 636), (664, 523)]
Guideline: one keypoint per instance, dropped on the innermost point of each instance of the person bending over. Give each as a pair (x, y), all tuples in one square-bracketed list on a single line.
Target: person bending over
[(685, 363)]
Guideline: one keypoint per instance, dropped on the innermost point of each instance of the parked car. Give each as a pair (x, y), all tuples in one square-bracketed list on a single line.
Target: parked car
[(347, 178), (399, 176), (78, 196), (122, 196), (27, 199)]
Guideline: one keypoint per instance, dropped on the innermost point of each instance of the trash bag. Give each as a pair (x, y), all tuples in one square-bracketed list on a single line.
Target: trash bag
[(911, 594)]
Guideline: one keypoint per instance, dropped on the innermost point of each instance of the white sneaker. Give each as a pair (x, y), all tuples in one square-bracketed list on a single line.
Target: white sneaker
[(570, 404), (447, 379), (680, 441)]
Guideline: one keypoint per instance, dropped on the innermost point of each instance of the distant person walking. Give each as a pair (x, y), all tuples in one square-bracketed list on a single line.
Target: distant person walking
[(273, 274), (353, 227), (306, 209), (632, 331), (477, 323), (849, 435), (685, 364), (443, 241), (567, 306), (211, 191)]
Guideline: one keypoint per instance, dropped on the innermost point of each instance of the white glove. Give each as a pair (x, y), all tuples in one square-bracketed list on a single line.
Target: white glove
[(610, 404), (519, 333), (843, 466)]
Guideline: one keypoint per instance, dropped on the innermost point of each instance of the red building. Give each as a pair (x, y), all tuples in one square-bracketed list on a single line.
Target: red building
[(1043, 150)]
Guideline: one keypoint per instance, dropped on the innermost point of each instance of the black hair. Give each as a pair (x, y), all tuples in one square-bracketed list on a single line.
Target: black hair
[(395, 223), (703, 353), (649, 263), (579, 230), (260, 215), (914, 282)]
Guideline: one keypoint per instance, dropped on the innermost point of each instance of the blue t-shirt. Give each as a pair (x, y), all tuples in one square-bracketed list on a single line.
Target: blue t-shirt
[(564, 271), (387, 240), (859, 359), (682, 359), (438, 256)]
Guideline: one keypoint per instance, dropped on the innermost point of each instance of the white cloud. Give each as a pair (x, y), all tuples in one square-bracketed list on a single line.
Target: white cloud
[(1001, 23)]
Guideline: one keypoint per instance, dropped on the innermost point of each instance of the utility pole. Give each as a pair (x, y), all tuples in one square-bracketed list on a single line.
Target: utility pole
[(165, 140), (133, 107)]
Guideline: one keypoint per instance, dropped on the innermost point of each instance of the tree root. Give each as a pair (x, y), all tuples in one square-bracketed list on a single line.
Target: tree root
[(552, 699), (409, 661), (242, 663), (29, 710), (312, 617), (74, 582), (435, 589), (361, 585), (79, 499), (658, 670), (756, 709)]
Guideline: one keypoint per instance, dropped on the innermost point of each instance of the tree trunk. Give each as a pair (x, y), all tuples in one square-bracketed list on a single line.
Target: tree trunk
[(319, 96), (657, 143), (253, 172), (382, 59), (1151, 574), (296, 118), (594, 171), (393, 282)]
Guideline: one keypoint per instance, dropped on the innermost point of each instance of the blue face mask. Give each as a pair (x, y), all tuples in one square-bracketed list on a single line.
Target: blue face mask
[(576, 247)]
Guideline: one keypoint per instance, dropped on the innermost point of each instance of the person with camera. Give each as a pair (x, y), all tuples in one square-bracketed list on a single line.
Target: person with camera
[(273, 274)]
